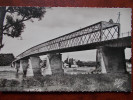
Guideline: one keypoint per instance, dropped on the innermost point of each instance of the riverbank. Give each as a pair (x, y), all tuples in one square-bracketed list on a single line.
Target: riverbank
[(57, 82)]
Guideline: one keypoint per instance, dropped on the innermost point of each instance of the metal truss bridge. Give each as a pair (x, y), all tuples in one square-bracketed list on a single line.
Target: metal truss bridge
[(91, 37)]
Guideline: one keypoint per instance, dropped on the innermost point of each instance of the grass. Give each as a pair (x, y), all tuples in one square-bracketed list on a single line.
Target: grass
[(59, 82)]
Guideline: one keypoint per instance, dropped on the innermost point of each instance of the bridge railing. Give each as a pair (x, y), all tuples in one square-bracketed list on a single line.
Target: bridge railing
[(126, 34), (101, 31)]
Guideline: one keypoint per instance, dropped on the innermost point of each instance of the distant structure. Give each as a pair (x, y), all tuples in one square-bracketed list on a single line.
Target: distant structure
[(118, 19), (6, 59), (71, 62)]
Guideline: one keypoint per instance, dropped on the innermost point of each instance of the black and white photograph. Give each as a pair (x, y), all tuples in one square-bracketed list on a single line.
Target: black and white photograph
[(65, 49)]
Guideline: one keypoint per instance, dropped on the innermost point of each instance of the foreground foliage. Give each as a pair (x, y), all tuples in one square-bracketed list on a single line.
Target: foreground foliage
[(92, 82)]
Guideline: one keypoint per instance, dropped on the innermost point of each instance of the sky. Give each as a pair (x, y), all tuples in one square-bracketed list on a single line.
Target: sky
[(62, 20)]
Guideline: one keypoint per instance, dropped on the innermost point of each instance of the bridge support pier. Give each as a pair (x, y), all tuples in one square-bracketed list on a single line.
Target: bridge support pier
[(100, 62), (111, 59), (35, 63), (30, 70), (55, 62), (17, 66), (25, 65)]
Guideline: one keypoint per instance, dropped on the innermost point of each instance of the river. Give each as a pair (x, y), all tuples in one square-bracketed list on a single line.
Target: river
[(8, 72)]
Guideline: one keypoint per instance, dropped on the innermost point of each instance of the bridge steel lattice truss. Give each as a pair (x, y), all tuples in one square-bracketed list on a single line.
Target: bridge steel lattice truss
[(96, 33)]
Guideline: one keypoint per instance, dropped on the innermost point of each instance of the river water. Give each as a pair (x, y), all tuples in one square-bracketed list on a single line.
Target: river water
[(7, 72)]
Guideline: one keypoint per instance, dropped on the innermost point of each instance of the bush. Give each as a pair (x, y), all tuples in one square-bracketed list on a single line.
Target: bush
[(6, 59)]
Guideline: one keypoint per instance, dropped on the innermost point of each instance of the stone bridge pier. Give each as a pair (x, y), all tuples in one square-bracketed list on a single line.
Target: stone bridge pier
[(25, 64), (35, 65), (29, 67), (55, 62), (17, 66), (32, 66), (111, 59)]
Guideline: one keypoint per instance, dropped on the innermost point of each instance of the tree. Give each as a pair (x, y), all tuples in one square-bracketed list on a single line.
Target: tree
[(12, 20), (66, 61), (6, 59), (79, 63)]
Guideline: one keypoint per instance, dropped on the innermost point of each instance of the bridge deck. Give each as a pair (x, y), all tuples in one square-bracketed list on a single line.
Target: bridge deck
[(121, 42)]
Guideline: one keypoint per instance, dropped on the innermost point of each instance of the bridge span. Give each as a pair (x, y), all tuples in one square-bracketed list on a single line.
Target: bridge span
[(104, 36)]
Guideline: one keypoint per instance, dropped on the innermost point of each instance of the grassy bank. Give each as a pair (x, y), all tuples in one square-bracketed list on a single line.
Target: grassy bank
[(57, 82)]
